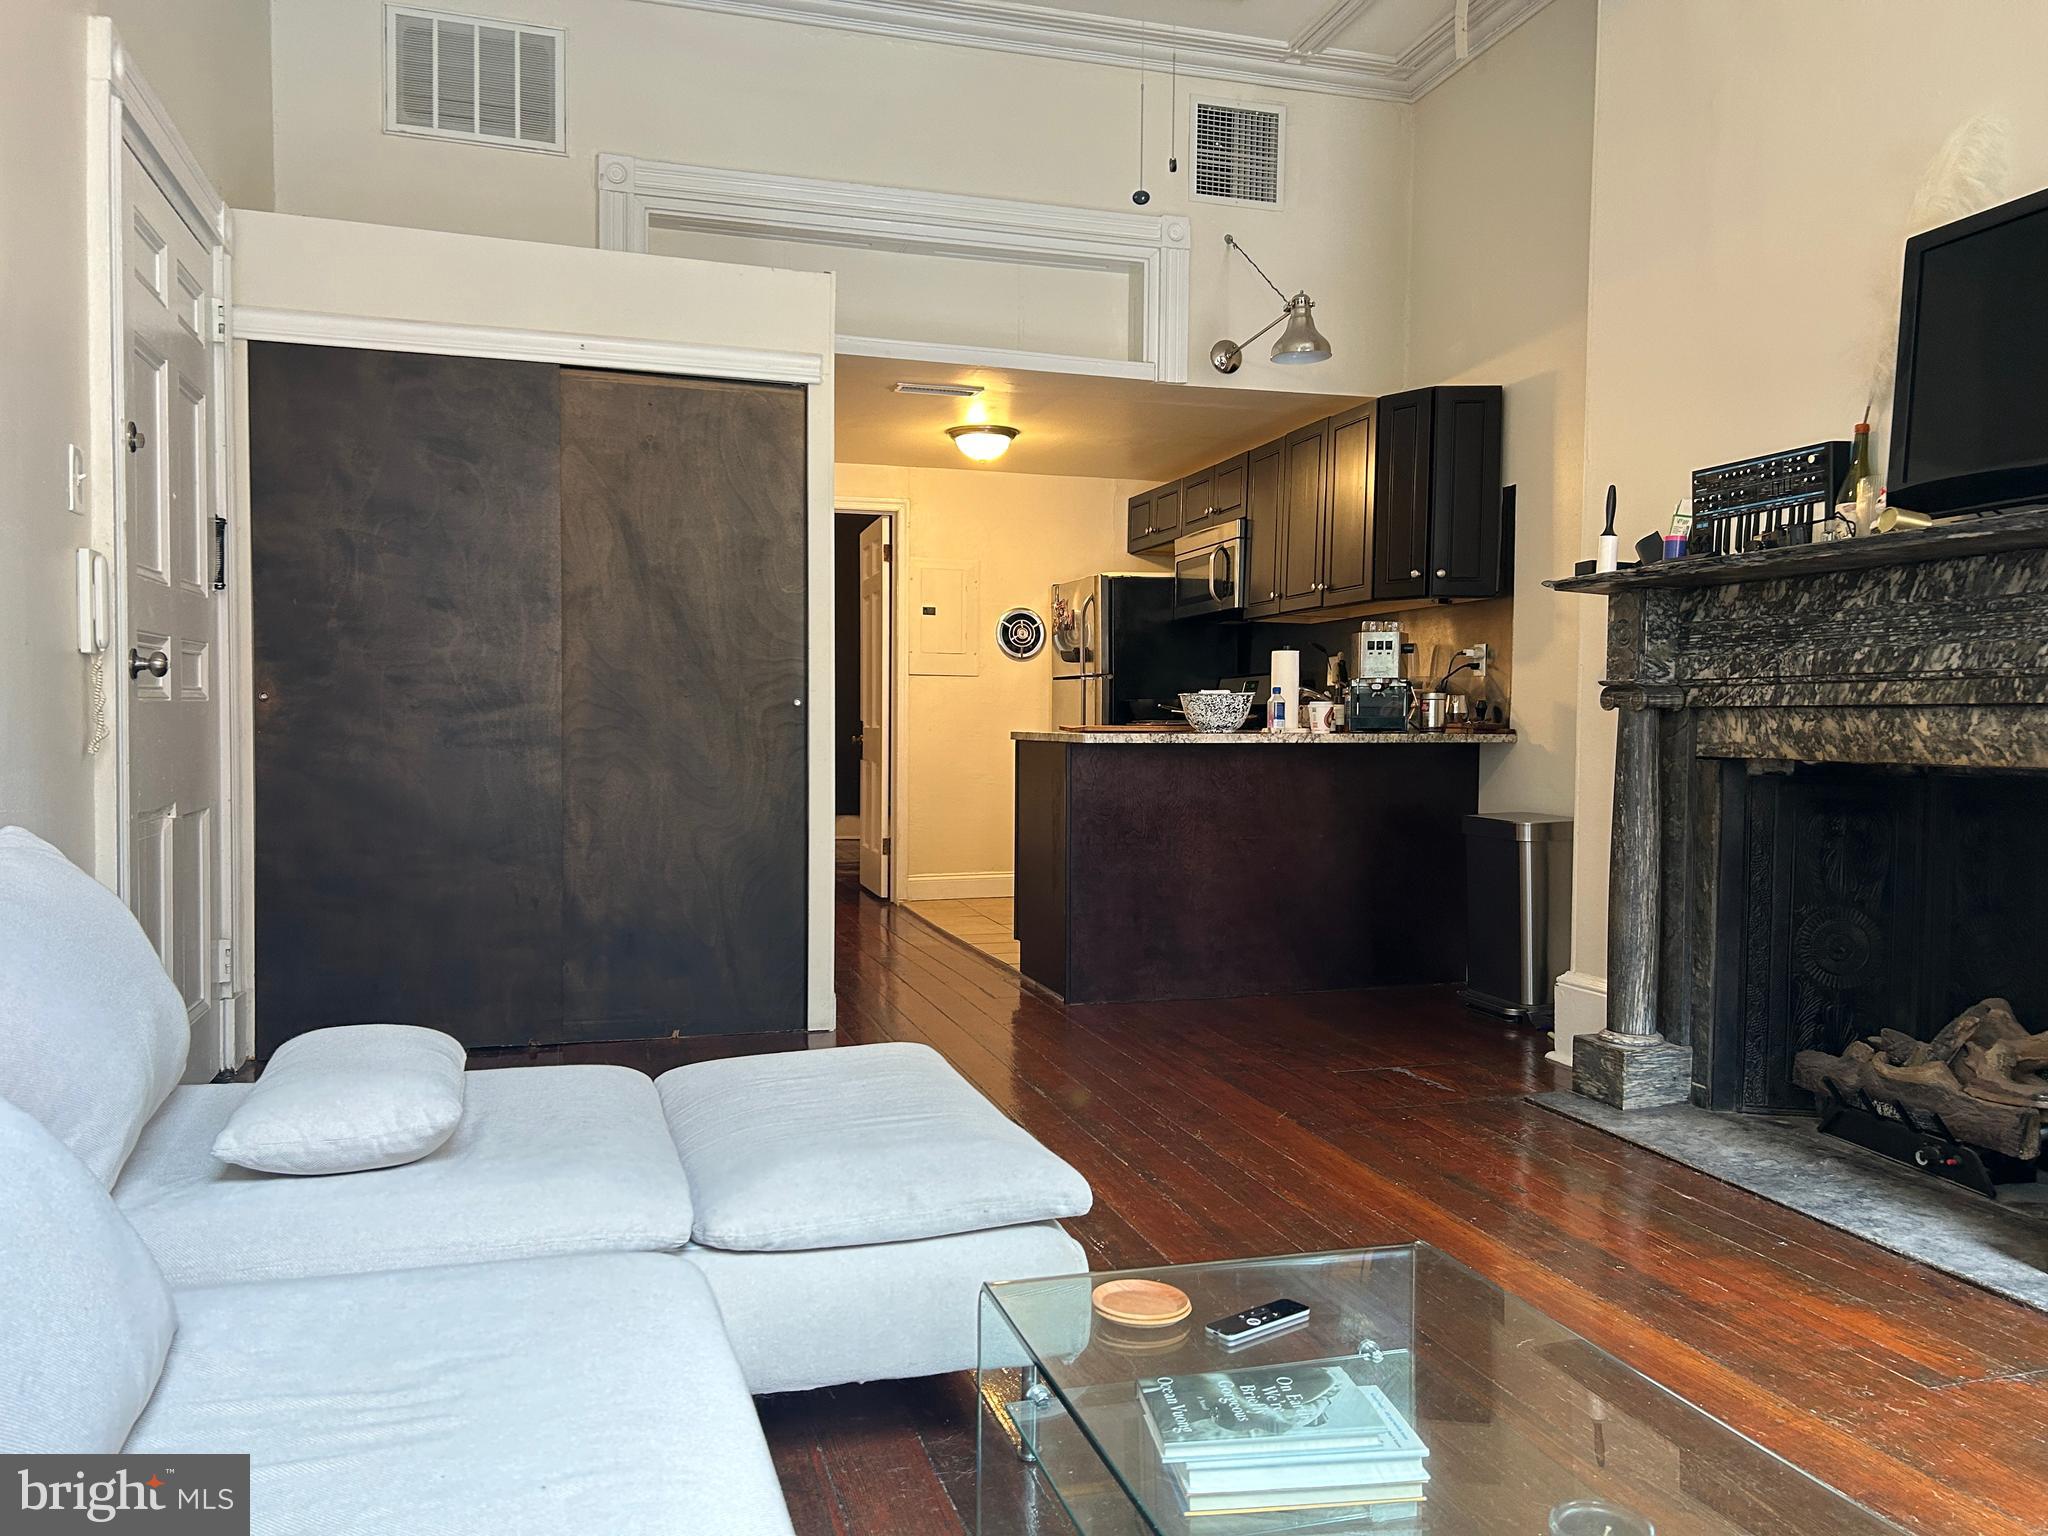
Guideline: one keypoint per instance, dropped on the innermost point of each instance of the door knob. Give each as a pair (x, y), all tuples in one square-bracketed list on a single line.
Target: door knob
[(135, 438), (156, 663), (1441, 571), (1417, 575)]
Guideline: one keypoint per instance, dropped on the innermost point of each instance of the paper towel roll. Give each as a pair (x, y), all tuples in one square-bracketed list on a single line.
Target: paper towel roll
[(1287, 678)]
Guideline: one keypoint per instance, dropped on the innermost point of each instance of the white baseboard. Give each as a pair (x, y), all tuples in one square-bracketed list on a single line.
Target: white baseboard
[(1581, 1010), (955, 887)]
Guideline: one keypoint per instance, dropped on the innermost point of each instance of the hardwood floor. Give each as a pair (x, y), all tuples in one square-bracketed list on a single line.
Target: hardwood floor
[(1286, 1124)]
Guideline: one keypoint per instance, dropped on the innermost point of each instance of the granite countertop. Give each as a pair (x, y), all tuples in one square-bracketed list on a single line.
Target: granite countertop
[(1252, 738)]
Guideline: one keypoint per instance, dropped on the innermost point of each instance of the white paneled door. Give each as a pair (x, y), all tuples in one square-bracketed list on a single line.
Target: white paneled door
[(172, 661), (874, 707)]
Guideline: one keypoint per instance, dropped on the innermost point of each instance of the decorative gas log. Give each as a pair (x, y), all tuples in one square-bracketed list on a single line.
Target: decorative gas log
[(1984, 1074)]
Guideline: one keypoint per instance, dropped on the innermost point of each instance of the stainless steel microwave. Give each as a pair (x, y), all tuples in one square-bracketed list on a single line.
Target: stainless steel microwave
[(1209, 570)]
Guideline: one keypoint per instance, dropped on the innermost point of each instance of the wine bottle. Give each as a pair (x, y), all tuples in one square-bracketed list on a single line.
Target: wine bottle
[(1856, 501)]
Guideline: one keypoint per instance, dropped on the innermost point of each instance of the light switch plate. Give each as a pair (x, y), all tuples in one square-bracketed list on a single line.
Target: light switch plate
[(74, 478)]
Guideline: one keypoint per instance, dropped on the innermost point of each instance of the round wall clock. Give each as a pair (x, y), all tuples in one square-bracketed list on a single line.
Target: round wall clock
[(1021, 634)]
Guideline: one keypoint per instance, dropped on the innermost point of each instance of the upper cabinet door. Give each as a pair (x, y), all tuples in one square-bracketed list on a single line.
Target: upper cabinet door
[(1265, 514), (1401, 476), (1166, 513), (1230, 478), (1140, 525), (1154, 519), (1197, 501), (1465, 544), (1347, 576), (1306, 472), (1214, 496)]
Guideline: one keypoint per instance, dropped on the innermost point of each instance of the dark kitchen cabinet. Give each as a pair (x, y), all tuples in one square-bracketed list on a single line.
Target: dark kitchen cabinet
[(1305, 476), (1140, 526), (1347, 541), (1154, 519), (1437, 524), (1265, 514), (1214, 496)]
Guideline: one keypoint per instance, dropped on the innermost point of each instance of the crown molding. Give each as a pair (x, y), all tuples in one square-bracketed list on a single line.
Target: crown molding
[(1301, 63), (1434, 57), (1078, 37)]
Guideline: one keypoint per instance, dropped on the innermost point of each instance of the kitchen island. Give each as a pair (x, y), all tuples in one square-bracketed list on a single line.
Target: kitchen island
[(1156, 865)]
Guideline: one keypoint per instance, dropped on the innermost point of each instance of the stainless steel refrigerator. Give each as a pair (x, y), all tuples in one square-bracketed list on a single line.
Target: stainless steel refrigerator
[(1116, 648)]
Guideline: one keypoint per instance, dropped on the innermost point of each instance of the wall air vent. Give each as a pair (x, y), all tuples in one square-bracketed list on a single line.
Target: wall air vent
[(448, 76), (943, 391), (1237, 151)]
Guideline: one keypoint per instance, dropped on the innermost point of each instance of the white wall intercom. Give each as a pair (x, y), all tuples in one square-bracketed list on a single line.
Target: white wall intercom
[(95, 603)]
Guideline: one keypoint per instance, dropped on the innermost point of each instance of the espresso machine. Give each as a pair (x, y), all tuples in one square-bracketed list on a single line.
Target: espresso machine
[(1379, 697)]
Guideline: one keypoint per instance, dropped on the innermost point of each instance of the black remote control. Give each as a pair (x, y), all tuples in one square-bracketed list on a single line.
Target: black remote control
[(1257, 1322)]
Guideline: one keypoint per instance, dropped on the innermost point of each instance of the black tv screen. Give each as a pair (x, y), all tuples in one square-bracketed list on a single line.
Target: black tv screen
[(1970, 415)]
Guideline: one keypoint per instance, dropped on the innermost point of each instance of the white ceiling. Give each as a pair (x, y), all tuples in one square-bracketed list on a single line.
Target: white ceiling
[(1069, 424), (1388, 49)]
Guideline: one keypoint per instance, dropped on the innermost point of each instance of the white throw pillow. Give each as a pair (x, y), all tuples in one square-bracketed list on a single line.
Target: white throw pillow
[(92, 1032), (345, 1099), (87, 1318)]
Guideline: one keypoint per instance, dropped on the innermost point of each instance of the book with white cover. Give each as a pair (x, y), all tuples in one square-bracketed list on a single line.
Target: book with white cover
[(1332, 1500), (1273, 1413), (1340, 1471)]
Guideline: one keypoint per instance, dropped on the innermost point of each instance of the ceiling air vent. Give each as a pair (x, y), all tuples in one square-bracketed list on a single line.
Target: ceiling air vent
[(448, 76), (1237, 152)]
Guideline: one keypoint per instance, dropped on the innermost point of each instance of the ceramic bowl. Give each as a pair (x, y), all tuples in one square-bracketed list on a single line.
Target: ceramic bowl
[(1216, 710)]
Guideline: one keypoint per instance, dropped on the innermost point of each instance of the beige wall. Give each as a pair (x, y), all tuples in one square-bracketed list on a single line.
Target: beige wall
[(206, 59), (680, 84), (371, 272), (956, 776), (1497, 294), (1754, 164)]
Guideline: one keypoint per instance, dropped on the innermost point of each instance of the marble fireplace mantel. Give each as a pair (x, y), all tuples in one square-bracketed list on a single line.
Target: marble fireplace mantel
[(1925, 649)]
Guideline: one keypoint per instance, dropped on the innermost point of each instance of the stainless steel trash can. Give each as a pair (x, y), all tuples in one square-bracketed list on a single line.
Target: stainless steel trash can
[(1518, 907)]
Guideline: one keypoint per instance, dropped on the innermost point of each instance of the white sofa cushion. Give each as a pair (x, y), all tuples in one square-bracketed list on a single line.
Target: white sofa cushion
[(862, 1144), (831, 1315), (346, 1099), (92, 1033), (87, 1316), (591, 1394), (545, 1160)]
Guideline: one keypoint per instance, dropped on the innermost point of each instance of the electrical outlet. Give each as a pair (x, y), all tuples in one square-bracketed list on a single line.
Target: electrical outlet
[(1477, 655)]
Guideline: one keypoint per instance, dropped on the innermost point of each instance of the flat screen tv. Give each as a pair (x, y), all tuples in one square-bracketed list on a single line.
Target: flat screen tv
[(1970, 414)]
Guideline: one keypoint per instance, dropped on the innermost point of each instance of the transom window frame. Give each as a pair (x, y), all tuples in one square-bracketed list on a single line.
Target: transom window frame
[(635, 194)]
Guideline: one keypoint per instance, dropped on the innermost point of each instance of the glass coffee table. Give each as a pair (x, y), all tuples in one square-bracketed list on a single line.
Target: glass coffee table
[(1525, 1428)]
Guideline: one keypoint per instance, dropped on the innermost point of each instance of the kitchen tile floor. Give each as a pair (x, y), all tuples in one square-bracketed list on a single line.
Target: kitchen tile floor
[(985, 923)]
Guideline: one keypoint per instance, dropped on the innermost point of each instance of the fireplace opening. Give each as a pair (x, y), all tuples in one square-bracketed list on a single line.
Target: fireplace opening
[(1854, 900)]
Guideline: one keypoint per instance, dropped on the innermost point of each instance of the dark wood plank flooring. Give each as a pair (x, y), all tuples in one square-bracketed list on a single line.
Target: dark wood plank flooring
[(1249, 1126)]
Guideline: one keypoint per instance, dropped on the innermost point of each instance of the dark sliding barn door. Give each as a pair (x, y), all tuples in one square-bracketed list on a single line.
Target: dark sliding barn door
[(528, 641), (682, 739), (405, 550)]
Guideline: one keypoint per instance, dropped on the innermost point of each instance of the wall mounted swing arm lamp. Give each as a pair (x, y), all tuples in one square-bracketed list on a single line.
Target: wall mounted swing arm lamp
[(1301, 342)]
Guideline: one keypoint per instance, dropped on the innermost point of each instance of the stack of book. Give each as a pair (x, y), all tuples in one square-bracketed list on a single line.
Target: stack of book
[(1274, 1439)]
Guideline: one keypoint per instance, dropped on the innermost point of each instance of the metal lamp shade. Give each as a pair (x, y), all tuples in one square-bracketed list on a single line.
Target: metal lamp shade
[(1301, 342)]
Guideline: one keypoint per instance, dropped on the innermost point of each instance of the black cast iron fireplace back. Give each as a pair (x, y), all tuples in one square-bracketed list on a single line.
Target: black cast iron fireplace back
[(1855, 899)]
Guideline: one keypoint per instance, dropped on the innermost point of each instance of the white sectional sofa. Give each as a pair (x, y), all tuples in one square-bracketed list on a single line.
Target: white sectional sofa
[(552, 1322)]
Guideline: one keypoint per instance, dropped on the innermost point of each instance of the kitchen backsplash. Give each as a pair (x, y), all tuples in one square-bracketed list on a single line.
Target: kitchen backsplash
[(1437, 634)]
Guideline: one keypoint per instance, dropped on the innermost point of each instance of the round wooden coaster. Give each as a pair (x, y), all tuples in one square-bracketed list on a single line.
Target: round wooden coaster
[(1142, 1303)]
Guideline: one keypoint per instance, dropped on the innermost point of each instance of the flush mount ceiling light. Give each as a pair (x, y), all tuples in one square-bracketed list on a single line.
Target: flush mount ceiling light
[(981, 442), (1301, 342)]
